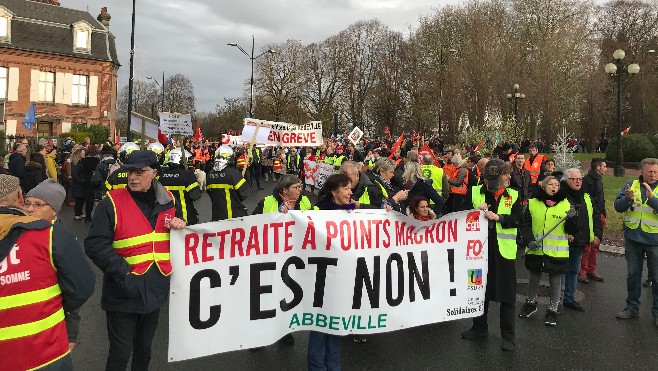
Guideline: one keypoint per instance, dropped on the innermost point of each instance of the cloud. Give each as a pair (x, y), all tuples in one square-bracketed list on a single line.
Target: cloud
[(190, 36)]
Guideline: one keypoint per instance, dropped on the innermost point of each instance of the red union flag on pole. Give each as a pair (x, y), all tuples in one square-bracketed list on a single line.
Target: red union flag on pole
[(396, 145), (427, 151), (387, 132), (625, 131), (477, 148), (198, 135)]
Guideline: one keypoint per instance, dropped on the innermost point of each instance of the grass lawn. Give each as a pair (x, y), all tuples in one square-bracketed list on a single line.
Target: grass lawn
[(611, 186)]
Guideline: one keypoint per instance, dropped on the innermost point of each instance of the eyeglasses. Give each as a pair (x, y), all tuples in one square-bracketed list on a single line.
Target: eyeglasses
[(138, 172), (36, 205), (295, 187), (577, 180)]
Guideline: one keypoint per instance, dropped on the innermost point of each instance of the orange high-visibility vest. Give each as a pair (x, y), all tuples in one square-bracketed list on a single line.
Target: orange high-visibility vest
[(534, 167), (277, 166), (463, 188), (134, 238), (32, 327)]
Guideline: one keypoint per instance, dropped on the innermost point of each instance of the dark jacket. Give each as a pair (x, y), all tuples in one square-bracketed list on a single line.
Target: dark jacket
[(124, 292), (375, 193), (390, 192), (177, 176), (593, 184), (218, 183), (34, 174), (501, 277), (521, 182), (17, 166), (581, 232), (424, 188)]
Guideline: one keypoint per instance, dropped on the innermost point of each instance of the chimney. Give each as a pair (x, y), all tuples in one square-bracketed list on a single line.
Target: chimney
[(49, 2), (104, 17)]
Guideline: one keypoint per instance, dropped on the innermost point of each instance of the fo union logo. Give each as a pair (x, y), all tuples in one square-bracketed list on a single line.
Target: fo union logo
[(474, 250), (475, 277), (473, 221)]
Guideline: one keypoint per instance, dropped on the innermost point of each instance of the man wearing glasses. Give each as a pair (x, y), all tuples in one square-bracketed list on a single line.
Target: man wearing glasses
[(129, 241), (590, 230)]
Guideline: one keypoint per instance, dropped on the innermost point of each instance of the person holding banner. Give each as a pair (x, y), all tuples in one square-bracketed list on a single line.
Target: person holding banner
[(226, 186), (129, 241), (324, 349), (503, 209)]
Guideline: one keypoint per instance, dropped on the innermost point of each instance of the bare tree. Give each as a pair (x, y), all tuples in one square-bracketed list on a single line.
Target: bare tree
[(179, 94)]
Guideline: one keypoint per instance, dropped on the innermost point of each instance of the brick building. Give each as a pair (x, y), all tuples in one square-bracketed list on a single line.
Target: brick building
[(62, 60)]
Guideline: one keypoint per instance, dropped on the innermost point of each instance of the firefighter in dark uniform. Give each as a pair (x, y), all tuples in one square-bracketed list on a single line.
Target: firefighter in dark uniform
[(183, 185), (119, 178), (226, 186)]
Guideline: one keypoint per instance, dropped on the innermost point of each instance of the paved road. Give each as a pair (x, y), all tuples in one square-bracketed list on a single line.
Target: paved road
[(593, 340)]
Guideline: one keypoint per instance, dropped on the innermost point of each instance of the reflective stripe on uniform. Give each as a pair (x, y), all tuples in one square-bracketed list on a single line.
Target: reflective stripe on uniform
[(145, 238), (132, 260), (28, 298), (28, 329)]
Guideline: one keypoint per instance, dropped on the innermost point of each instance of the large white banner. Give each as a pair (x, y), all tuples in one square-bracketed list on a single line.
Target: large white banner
[(246, 282), (284, 134)]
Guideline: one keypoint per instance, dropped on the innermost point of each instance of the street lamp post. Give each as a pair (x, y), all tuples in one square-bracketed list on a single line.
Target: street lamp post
[(132, 74), (616, 70), (516, 96), (163, 89), (252, 58)]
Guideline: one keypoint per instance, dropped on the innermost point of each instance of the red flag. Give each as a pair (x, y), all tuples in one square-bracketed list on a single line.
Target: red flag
[(427, 151), (396, 145), (477, 148), (197, 134), (625, 131), (162, 138), (387, 132)]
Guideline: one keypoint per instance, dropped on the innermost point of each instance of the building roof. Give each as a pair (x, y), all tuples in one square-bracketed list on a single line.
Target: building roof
[(46, 28)]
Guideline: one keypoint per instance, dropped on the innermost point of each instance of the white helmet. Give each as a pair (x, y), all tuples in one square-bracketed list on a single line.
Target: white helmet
[(176, 156), (156, 147), (129, 147), (223, 151)]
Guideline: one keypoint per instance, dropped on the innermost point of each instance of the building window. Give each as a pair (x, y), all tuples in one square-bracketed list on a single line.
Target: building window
[(46, 87), (82, 37), (80, 90), (4, 72), (4, 27)]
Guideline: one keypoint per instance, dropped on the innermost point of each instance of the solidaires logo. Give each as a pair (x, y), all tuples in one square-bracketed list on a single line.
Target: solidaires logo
[(475, 277)]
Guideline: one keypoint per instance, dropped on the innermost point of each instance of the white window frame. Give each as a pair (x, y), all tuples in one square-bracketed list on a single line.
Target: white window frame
[(46, 87), (78, 28), (4, 83), (6, 16), (80, 87)]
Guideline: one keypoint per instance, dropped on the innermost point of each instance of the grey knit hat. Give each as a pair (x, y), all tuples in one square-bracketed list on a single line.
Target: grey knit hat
[(50, 192)]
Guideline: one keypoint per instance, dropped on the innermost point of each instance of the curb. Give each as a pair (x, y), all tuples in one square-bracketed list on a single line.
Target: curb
[(618, 250)]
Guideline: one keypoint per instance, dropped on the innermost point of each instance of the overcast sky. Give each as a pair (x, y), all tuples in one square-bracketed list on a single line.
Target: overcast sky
[(190, 36)]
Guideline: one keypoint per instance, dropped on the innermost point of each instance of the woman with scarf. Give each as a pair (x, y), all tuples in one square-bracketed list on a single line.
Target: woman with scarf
[(545, 233), (381, 175), (419, 209), (324, 349), (501, 206)]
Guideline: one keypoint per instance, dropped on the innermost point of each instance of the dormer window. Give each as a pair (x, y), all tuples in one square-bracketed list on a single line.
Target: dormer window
[(5, 24), (82, 37)]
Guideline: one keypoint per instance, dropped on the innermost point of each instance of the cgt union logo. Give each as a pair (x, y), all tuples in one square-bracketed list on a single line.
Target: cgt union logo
[(474, 250), (473, 221)]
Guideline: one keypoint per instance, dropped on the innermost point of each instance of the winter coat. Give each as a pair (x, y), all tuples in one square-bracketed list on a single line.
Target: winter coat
[(34, 174), (581, 230), (424, 188), (593, 184)]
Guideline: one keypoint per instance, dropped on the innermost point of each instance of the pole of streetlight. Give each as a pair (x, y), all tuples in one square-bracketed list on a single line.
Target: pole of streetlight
[(163, 92), (619, 164), (132, 74), (251, 82)]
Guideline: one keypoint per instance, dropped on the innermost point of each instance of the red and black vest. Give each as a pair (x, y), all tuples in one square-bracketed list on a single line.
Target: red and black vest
[(32, 327), (134, 238)]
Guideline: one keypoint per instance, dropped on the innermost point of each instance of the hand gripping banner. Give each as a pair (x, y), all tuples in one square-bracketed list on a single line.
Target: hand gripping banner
[(246, 282)]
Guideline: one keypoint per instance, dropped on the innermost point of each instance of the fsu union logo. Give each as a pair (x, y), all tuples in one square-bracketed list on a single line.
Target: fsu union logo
[(474, 250), (475, 277), (473, 221)]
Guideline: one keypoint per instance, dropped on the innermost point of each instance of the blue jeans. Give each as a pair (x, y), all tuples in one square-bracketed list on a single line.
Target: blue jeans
[(570, 279), (635, 252), (323, 352)]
